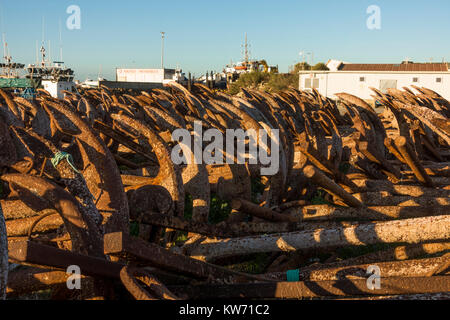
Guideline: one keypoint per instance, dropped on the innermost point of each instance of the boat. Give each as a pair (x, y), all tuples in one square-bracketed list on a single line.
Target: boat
[(89, 83), (54, 77), (24, 80), (12, 76)]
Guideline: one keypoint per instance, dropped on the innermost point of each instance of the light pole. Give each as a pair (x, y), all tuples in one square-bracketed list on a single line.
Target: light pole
[(302, 54), (308, 54), (162, 49)]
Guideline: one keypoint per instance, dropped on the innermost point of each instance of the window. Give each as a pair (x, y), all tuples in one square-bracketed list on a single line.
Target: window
[(316, 83), (362, 79), (415, 79), (387, 84), (439, 80), (312, 83), (307, 83)]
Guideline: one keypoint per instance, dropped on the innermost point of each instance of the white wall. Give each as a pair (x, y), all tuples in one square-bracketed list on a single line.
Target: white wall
[(349, 82), (56, 88), (140, 75)]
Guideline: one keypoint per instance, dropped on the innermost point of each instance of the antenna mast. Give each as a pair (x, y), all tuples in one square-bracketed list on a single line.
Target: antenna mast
[(4, 46), (37, 52), (43, 56), (246, 55), (162, 49), (49, 52), (43, 43), (43, 30), (60, 43), (7, 56)]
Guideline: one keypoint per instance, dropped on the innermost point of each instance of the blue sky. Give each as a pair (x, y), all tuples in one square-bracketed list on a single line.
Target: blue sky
[(206, 35)]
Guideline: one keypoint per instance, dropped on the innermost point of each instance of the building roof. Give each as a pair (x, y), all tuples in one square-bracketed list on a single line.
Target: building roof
[(406, 67)]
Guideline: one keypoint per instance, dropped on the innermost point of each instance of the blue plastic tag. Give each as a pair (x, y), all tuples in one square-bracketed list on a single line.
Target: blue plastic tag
[(293, 275)]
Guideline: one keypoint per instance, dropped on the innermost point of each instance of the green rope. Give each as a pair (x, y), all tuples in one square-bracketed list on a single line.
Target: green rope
[(60, 156)]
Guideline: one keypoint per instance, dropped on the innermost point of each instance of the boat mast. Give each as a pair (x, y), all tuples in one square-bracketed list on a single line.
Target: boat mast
[(37, 53), (49, 52), (4, 46), (43, 56), (43, 43), (60, 43), (6, 56)]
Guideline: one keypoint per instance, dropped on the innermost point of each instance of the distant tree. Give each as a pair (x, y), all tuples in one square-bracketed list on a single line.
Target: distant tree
[(320, 66), (281, 81), (300, 67), (272, 82), (249, 80)]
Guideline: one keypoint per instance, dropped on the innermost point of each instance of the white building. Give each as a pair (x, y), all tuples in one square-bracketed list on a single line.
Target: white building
[(57, 88), (161, 76), (356, 79)]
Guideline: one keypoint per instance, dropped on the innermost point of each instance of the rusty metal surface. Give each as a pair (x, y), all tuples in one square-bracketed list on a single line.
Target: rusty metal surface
[(101, 158), (411, 231), (121, 244), (3, 256), (21, 227), (311, 289), (31, 279), (131, 278), (221, 230), (100, 170), (260, 212), (46, 256), (8, 151), (351, 269), (84, 233)]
